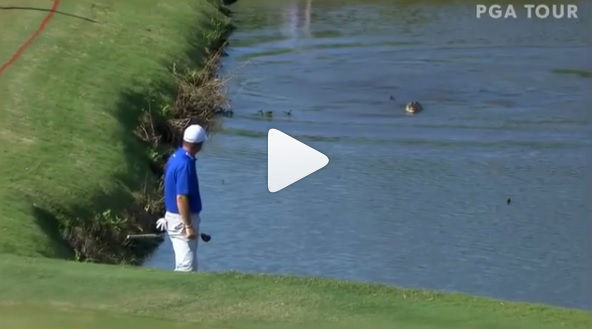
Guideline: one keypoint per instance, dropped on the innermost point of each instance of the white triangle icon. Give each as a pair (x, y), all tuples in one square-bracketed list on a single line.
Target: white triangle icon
[(289, 160)]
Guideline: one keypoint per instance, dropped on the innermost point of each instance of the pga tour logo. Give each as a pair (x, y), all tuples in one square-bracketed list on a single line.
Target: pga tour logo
[(542, 11)]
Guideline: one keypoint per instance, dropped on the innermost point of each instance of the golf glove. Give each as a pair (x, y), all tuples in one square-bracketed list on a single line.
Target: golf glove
[(161, 224)]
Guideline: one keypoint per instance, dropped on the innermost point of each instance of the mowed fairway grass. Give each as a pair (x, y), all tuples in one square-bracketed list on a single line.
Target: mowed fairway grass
[(67, 111), (63, 293)]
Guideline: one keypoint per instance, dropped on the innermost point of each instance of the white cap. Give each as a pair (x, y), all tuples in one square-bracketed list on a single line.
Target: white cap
[(195, 134)]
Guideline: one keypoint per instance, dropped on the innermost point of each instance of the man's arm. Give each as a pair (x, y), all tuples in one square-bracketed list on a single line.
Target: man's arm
[(185, 213), (182, 189), (184, 210)]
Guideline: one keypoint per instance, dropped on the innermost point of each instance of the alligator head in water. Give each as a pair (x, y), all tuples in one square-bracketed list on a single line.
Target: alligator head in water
[(413, 107)]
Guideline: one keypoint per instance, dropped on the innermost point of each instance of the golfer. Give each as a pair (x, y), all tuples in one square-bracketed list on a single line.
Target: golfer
[(182, 199)]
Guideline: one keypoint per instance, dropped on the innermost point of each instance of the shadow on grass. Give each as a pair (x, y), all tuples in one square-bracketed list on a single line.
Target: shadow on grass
[(50, 226), (137, 175), (132, 104)]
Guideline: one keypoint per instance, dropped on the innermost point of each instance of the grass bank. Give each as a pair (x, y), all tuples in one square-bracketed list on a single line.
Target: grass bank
[(124, 294), (71, 166)]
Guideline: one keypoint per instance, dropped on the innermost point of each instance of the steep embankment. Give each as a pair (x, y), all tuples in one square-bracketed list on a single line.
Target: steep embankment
[(69, 106)]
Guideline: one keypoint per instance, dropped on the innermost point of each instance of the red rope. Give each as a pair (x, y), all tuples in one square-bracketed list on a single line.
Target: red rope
[(24, 46)]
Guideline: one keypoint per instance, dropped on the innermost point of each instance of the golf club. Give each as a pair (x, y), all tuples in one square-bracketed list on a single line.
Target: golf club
[(205, 237)]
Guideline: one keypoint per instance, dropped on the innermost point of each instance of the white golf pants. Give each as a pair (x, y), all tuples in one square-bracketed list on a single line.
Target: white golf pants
[(185, 249)]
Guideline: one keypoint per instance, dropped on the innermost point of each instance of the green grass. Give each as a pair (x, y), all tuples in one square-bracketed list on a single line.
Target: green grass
[(235, 300), (69, 106), (60, 317), (67, 111)]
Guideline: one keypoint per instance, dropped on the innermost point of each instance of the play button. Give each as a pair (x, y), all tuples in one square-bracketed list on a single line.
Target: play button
[(289, 160)]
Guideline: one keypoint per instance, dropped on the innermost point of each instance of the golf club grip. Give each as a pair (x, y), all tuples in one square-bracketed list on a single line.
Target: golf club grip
[(145, 236)]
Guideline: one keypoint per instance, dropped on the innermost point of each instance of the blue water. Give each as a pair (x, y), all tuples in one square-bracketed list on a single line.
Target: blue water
[(417, 201)]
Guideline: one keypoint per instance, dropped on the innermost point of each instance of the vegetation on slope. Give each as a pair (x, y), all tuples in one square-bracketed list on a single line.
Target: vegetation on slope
[(74, 176)]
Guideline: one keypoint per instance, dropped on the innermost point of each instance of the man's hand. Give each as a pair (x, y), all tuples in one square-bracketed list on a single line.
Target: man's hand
[(190, 232)]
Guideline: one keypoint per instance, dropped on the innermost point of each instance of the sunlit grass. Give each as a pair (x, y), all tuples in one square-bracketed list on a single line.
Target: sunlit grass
[(235, 300)]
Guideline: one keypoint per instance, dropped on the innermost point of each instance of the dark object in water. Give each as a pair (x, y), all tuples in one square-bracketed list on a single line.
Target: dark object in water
[(288, 113), (392, 98), (224, 113), (205, 237), (265, 114), (509, 201), (413, 107)]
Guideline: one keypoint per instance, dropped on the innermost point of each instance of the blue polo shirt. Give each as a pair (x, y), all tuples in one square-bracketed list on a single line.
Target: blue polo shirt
[(180, 178)]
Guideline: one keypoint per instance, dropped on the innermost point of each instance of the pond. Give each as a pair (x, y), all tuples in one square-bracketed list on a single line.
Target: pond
[(486, 192)]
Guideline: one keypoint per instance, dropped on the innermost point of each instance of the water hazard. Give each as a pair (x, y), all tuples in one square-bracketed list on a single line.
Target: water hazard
[(417, 201)]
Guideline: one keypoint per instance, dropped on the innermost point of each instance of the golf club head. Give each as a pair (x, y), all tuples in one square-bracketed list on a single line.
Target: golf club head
[(205, 237)]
